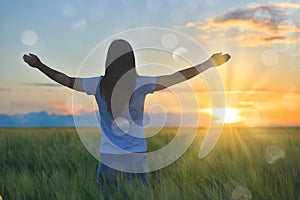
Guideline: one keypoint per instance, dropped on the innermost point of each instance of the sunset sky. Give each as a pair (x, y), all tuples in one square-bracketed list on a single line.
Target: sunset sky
[(261, 81)]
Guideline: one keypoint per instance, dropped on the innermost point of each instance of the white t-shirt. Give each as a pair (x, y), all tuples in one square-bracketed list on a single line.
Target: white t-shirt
[(122, 135)]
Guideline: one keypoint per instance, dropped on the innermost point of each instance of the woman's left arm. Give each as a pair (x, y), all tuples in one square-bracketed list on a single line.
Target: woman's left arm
[(165, 81), (74, 83)]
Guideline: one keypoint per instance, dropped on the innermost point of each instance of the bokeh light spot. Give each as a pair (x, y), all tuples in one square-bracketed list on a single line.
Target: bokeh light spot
[(29, 37), (274, 153), (179, 53), (263, 15), (121, 124), (241, 193), (270, 57), (291, 101), (156, 118), (169, 41), (286, 28)]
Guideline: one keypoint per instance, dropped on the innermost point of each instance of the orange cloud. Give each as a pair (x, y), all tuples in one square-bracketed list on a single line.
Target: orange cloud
[(255, 25), (69, 109), (288, 5), (190, 24)]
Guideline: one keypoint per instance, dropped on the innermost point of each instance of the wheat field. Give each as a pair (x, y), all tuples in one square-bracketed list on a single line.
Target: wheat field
[(246, 163)]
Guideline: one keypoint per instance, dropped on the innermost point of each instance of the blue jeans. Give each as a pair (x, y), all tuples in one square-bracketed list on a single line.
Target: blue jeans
[(110, 175), (108, 178)]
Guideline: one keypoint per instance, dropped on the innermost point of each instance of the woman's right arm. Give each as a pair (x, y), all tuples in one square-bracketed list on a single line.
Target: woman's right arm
[(61, 78), (165, 81)]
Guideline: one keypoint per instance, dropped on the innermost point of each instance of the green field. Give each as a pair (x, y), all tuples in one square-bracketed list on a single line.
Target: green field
[(246, 163)]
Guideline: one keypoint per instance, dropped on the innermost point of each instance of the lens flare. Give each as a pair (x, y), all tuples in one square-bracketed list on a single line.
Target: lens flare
[(224, 115)]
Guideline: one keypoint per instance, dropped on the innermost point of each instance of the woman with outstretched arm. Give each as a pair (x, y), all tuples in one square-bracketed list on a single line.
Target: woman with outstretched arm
[(120, 95)]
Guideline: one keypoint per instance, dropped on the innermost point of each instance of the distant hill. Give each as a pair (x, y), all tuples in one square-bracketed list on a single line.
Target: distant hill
[(36, 119), (44, 119)]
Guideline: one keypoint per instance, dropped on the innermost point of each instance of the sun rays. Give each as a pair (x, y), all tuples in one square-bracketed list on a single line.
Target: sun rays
[(224, 115)]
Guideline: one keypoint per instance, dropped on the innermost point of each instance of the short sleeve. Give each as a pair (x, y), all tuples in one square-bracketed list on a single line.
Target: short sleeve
[(146, 83), (90, 85)]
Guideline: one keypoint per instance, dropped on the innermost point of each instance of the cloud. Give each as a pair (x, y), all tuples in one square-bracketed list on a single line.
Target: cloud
[(79, 26), (75, 108), (190, 24), (288, 5), (255, 25)]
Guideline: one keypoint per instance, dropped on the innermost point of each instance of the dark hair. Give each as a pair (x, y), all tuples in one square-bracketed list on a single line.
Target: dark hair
[(120, 71)]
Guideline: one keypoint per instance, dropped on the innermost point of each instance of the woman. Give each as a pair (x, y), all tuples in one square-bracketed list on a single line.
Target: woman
[(120, 95)]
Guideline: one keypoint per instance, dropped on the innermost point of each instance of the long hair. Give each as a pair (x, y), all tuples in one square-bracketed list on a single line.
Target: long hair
[(118, 83)]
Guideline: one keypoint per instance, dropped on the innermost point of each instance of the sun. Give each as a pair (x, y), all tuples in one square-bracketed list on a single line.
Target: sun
[(224, 115)]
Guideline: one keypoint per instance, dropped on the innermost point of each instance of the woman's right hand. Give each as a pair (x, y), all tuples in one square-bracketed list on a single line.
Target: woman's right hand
[(32, 60), (219, 58)]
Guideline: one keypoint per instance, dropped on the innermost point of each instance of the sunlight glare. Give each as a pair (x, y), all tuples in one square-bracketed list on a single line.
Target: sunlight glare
[(231, 114)]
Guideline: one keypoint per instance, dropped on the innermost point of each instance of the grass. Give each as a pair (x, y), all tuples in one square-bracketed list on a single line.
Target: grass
[(52, 163)]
